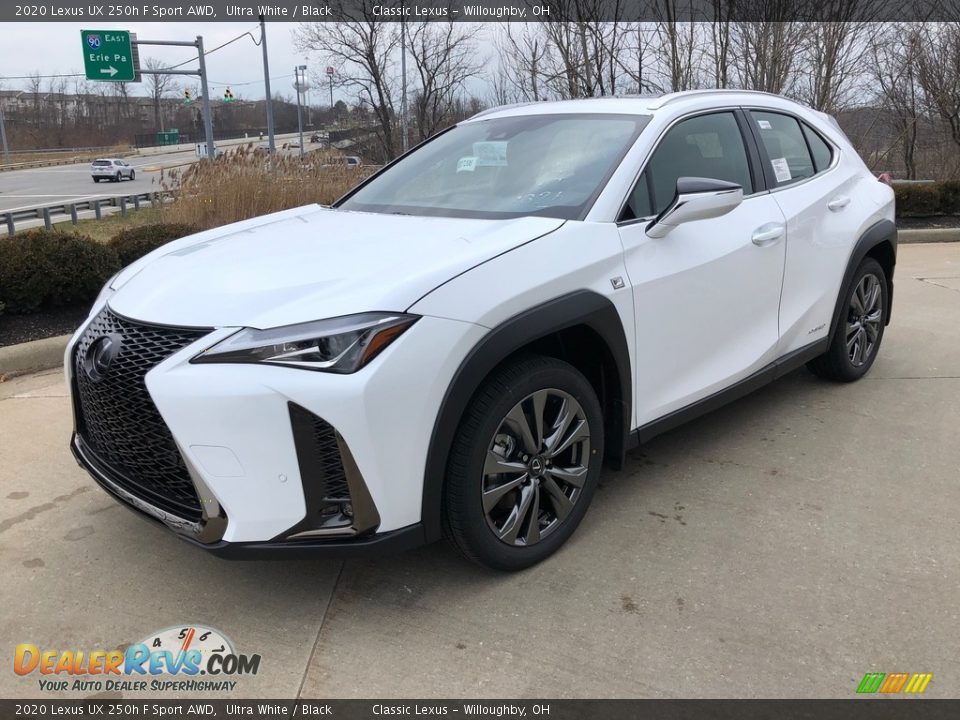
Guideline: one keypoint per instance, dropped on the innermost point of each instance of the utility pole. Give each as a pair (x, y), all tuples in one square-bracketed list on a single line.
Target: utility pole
[(266, 86), (207, 117), (3, 137), (330, 72), (403, 85), (297, 70)]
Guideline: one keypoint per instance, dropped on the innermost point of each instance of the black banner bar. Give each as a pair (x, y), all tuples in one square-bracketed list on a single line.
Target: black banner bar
[(139, 11), (853, 709)]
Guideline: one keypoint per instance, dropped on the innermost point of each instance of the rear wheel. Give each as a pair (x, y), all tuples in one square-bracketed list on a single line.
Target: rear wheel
[(133, 175), (118, 177), (524, 465), (857, 338), (96, 179)]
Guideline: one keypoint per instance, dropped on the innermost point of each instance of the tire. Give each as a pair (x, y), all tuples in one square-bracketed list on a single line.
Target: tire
[(857, 338), (118, 177), (133, 175), (96, 180), (489, 437)]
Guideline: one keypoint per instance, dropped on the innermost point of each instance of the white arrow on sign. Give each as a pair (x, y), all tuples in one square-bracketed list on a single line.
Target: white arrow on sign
[(111, 71)]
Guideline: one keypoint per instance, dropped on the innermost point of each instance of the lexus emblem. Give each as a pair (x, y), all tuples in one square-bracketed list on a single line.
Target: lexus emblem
[(100, 355)]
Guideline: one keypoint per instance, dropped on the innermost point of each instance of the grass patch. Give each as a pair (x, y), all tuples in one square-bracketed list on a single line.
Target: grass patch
[(104, 229)]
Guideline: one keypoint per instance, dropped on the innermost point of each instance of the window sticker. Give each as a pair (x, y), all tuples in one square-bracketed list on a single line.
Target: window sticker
[(764, 124), (781, 170), (491, 153), (466, 164)]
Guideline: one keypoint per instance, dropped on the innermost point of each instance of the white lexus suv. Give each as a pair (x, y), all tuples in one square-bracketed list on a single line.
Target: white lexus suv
[(457, 345)]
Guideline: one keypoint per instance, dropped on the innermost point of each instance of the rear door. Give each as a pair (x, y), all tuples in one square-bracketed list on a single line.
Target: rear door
[(707, 295), (816, 193)]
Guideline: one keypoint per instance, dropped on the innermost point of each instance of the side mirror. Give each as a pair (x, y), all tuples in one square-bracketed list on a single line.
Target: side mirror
[(696, 199)]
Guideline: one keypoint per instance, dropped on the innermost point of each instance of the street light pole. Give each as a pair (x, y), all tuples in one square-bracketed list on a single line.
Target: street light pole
[(297, 71), (266, 86), (207, 119)]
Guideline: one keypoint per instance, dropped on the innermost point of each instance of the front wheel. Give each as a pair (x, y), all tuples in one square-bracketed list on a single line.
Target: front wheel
[(524, 464), (856, 340)]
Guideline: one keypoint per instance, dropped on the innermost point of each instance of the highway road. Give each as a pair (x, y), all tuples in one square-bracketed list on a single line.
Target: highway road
[(21, 189), (73, 183)]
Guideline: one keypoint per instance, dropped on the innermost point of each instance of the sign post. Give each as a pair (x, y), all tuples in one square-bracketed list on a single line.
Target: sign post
[(108, 55)]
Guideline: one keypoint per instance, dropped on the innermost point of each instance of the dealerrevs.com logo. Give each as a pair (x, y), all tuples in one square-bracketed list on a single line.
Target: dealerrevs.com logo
[(184, 658)]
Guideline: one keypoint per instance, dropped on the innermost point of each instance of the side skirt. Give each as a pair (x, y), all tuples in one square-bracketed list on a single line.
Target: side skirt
[(778, 368)]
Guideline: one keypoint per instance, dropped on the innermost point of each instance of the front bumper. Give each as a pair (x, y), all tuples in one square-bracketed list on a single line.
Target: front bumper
[(232, 427), (385, 543)]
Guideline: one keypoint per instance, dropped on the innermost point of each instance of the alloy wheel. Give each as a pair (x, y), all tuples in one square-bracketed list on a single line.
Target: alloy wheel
[(535, 467), (864, 319)]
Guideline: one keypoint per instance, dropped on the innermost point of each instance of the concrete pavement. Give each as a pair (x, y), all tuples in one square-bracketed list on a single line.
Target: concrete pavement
[(780, 547)]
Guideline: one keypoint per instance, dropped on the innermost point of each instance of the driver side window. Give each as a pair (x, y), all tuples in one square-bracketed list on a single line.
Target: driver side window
[(707, 146)]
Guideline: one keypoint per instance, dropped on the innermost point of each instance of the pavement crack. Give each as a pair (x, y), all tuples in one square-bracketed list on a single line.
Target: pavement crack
[(316, 640)]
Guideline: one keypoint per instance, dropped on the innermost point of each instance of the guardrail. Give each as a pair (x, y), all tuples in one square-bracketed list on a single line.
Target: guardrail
[(48, 213), (30, 164)]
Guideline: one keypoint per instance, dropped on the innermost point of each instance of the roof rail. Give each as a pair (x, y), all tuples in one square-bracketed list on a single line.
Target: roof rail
[(683, 94)]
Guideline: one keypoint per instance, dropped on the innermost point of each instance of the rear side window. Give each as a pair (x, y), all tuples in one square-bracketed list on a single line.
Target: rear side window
[(822, 153), (706, 146), (786, 147)]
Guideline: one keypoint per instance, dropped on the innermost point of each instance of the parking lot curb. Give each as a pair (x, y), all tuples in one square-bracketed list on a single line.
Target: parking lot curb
[(928, 235), (32, 356)]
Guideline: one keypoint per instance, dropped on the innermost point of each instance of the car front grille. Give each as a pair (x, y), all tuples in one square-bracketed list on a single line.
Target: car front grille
[(118, 420)]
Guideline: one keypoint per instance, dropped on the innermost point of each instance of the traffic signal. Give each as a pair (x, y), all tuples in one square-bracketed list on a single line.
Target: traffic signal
[(228, 95), (187, 97)]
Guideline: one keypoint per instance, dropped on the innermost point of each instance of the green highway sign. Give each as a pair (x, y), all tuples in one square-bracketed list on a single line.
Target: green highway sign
[(108, 55)]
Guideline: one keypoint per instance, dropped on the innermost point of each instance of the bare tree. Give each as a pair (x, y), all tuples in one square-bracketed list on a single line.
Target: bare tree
[(680, 45), (894, 58), (833, 56), (159, 85), (938, 71), (445, 57), (524, 61), (765, 51), (363, 48), (720, 37)]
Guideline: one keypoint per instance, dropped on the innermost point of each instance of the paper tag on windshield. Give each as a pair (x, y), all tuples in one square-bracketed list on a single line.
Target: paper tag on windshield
[(491, 153), (764, 124), (780, 169), (466, 164)]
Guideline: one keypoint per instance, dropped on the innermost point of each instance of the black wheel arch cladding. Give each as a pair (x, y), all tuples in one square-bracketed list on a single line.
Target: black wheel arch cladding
[(579, 309), (880, 241)]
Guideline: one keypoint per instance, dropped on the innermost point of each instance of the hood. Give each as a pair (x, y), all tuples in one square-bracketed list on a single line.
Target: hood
[(309, 263)]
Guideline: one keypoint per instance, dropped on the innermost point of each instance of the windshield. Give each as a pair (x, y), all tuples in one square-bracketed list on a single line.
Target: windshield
[(547, 165)]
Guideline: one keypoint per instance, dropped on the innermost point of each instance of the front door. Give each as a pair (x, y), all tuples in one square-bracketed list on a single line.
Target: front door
[(706, 295)]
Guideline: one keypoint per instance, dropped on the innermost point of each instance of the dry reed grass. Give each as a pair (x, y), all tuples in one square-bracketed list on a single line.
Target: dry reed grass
[(247, 183)]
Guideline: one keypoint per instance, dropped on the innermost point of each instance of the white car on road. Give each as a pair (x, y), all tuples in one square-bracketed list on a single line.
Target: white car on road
[(457, 345), (112, 169)]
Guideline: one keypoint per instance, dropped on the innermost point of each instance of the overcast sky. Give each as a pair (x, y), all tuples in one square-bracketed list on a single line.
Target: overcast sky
[(53, 48)]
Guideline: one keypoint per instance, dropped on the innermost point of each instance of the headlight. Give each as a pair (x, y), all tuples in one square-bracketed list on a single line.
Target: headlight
[(339, 345)]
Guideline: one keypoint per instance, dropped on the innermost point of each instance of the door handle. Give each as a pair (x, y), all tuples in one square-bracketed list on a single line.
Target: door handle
[(767, 234), (838, 203)]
